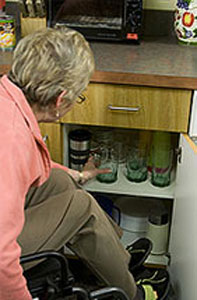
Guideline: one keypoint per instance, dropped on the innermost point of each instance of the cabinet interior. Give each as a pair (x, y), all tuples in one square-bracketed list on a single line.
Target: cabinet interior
[(147, 196)]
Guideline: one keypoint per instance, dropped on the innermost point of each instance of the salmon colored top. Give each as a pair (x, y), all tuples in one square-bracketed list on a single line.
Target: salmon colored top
[(24, 160)]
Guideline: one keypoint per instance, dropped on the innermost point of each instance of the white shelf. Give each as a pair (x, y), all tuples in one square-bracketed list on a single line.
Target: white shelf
[(125, 187), (162, 260)]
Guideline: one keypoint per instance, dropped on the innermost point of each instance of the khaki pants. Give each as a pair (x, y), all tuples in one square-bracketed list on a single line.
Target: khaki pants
[(59, 213)]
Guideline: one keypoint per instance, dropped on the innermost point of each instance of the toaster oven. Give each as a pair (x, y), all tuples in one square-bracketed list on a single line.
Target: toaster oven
[(111, 20)]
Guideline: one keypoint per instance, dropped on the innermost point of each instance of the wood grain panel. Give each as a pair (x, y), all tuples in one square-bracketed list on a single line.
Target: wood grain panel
[(29, 25), (4, 69), (152, 80), (159, 108), (53, 134)]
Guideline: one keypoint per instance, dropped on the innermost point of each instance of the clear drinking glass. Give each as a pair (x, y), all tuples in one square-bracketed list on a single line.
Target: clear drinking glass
[(162, 161), (136, 164), (108, 159)]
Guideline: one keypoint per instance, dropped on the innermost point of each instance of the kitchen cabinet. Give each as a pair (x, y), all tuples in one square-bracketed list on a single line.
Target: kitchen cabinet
[(132, 107), (129, 106), (52, 136), (183, 241), (193, 116)]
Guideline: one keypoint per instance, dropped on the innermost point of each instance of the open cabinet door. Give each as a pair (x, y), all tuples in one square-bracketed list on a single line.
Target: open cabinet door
[(183, 240)]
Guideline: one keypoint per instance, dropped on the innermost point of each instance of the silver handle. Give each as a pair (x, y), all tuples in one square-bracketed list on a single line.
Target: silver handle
[(45, 138), (123, 108)]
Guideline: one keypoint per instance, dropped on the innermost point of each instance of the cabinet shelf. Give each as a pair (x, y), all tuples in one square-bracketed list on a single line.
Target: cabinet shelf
[(125, 187)]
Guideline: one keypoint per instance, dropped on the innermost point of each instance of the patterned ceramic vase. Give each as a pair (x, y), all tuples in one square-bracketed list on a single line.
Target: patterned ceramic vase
[(185, 22)]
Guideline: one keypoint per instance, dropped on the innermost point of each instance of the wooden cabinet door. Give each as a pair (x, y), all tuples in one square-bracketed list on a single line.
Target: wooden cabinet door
[(52, 135), (133, 107), (183, 241)]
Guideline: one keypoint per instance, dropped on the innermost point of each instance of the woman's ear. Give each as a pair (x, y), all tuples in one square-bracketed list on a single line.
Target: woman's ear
[(59, 99)]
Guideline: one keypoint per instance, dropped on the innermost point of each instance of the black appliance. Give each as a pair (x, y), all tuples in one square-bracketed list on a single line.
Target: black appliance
[(109, 20)]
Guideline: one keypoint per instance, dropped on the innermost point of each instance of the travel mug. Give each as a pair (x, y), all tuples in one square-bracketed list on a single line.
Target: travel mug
[(79, 148)]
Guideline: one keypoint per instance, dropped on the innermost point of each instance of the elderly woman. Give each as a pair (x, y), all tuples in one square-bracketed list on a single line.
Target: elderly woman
[(41, 205)]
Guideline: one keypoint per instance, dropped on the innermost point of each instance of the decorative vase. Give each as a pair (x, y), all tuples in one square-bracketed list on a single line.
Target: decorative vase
[(185, 21)]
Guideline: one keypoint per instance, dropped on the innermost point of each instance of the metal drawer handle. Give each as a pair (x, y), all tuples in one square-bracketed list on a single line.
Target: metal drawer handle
[(123, 108), (45, 138)]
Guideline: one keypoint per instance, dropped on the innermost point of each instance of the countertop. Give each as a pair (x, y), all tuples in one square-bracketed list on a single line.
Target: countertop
[(160, 62)]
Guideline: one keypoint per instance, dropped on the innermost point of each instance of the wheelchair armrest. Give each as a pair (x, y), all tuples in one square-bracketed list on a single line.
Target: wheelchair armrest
[(49, 255), (52, 272)]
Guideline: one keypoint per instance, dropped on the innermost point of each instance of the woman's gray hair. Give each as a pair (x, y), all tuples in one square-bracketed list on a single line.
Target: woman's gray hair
[(50, 61)]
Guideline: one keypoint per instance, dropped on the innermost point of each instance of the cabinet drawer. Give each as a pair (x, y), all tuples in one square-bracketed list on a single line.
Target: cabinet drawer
[(133, 107)]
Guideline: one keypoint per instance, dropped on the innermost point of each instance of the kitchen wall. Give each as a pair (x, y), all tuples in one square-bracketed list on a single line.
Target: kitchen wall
[(159, 4), (158, 18), (148, 4)]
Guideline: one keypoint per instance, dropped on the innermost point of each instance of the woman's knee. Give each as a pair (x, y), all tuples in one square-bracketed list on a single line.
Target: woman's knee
[(60, 180)]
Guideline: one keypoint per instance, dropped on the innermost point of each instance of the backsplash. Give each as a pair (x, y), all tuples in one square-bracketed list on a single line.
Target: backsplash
[(158, 23)]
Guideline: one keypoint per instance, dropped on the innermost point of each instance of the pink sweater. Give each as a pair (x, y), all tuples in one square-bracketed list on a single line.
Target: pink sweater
[(24, 160)]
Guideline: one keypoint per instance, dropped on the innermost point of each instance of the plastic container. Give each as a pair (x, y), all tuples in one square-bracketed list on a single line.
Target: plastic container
[(158, 231), (134, 217)]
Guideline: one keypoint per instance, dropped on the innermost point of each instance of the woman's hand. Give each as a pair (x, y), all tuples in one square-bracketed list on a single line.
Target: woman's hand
[(90, 171)]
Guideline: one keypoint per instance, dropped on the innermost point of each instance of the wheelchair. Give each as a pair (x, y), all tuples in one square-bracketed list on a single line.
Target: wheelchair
[(52, 279)]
